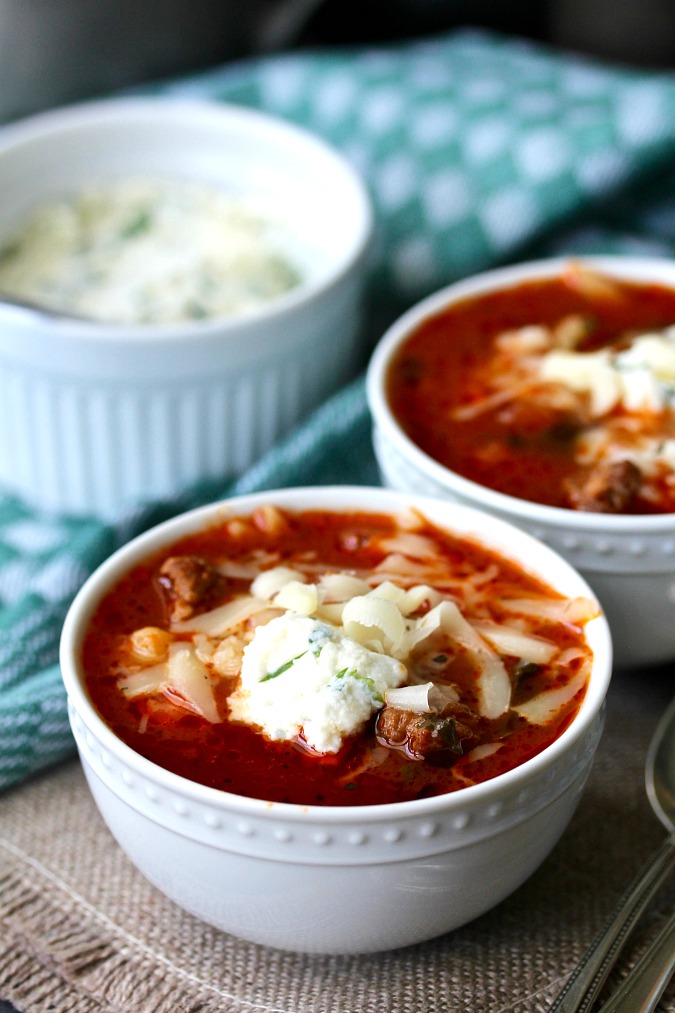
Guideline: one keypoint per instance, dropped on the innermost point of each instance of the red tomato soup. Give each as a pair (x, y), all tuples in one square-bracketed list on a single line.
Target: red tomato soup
[(560, 391), (335, 659)]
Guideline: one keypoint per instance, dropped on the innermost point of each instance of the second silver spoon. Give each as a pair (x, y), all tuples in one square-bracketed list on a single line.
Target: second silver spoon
[(588, 978)]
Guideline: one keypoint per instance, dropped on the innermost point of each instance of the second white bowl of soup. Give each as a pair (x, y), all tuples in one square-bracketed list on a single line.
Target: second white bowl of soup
[(336, 720), (543, 393)]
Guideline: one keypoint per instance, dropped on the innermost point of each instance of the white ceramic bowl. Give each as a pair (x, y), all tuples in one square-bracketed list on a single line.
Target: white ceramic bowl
[(94, 417), (333, 879), (628, 560)]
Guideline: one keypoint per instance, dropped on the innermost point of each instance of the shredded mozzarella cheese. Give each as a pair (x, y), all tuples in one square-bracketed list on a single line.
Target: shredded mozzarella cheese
[(317, 657)]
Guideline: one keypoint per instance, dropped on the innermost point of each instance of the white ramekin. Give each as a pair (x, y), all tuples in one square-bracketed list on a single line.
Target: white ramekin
[(95, 418)]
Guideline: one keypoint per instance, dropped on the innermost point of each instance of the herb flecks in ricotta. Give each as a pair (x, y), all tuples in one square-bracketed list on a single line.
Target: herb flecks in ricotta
[(150, 251), (302, 676)]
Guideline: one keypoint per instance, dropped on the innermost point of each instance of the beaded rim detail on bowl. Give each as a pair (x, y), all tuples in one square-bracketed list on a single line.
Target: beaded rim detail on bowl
[(607, 551), (368, 839)]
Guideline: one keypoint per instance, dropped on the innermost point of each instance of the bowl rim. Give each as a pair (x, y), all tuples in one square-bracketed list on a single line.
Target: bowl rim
[(466, 520), (214, 115), (629, 267)]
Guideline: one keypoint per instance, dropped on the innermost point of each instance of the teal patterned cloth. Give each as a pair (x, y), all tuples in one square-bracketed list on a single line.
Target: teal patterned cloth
[(478, 150)]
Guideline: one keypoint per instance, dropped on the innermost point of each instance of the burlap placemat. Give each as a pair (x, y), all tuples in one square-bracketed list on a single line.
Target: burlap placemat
[(82, 931)]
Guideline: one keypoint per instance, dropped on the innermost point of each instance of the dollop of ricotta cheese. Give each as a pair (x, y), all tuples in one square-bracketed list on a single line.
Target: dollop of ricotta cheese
[(302, 676), (151, 251)]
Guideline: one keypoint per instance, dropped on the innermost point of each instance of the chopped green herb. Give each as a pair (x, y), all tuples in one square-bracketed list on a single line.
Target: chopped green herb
[(377, 697), (352, 673), (444, 729), (135, 226), (525, 670), (347, 673), (408, 772), (196, 311), (10, 250), (318, 638), (282, 668)]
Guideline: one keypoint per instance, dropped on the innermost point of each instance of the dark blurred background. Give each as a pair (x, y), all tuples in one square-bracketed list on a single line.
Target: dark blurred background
[(56, 51)]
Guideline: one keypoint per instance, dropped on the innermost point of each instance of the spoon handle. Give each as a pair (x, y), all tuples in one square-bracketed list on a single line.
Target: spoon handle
[(641, 990), (589, 976)]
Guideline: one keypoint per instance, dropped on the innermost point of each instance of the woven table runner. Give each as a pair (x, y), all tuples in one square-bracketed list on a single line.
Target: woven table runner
[(82, 931)]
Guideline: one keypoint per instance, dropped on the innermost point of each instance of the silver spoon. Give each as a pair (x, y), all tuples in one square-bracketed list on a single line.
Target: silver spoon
[(588, 978)]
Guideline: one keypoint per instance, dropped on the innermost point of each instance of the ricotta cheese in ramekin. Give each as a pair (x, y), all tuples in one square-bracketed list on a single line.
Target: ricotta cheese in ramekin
[(144, 250)]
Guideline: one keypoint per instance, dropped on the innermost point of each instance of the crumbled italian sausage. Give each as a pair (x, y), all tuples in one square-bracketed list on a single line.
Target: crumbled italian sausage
[(421, 735), (609, 488), (190, 585)]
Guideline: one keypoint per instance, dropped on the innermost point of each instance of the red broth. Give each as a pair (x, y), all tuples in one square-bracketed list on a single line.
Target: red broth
[(238, 758), (520, 445)]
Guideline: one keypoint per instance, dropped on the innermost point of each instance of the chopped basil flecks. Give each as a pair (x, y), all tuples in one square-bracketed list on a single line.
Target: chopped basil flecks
[(282, 668), (352, 673), (9, 251), (524, 670), (445, 730), (318, 638), (135, 226), (347, 673)]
